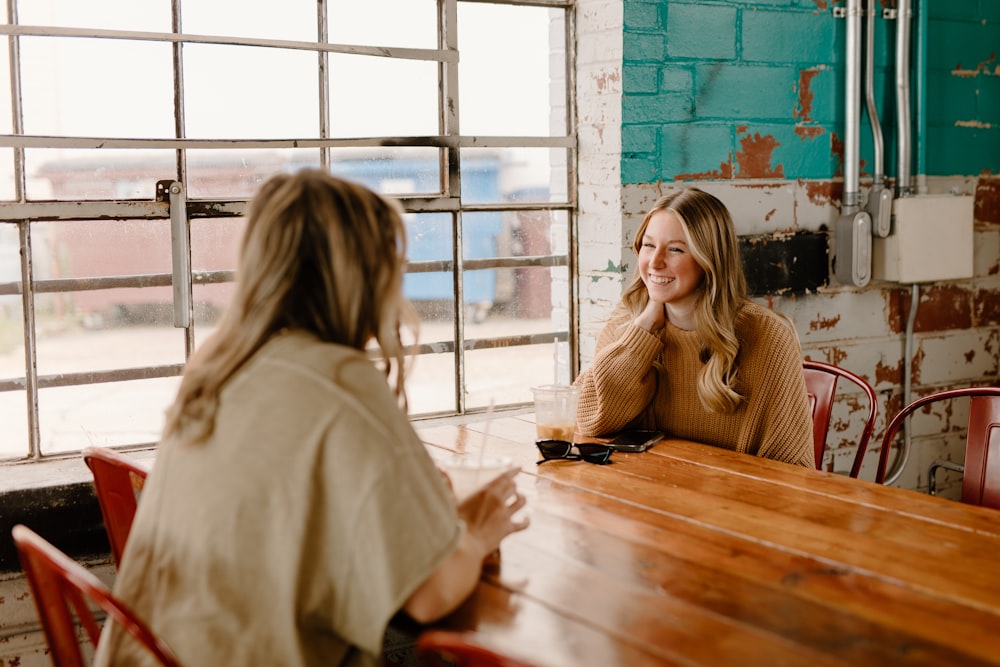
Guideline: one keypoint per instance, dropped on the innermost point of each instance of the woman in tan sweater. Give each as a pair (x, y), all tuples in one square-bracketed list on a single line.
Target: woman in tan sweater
[(687, 352)]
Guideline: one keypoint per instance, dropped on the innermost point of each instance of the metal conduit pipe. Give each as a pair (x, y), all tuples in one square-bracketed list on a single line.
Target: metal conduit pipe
[(879, 204), (904, 17), (854, 226), (852, 109), (903, 455)]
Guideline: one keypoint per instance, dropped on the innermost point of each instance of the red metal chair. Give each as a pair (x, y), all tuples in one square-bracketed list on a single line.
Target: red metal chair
[(118, 480), (61, 588), (448, 648), (821, 384), (981, 470)]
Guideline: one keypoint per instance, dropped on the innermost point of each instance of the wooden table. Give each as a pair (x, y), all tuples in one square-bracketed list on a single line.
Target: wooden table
[(692, 555)]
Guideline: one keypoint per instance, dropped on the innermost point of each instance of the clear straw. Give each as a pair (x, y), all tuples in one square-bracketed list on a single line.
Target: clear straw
[(486, 435)]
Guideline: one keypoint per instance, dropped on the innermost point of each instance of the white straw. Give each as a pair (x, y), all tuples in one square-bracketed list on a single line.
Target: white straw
[(555, 361)]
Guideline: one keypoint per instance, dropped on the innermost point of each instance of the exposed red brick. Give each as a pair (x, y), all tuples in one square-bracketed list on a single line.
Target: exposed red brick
[(986, 205), (889, 374), (724, 172), (915, 364), (754, 160), (809, 132), (944, 307), (740, 129), (823, 193), (986, 306), (803, 110), (969, 356), (897, 305), (821, 4), (941, 308), (837, 148), (770, 213), (824, 323)]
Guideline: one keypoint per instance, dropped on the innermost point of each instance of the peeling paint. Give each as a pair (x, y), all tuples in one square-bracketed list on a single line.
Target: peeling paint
[(986, 306), (810, 132), (944, 307), (837, 148), (889, 374), (821, 4), (755, 159), (822, 193), (769, 214), (603, 81), (806, 129), (986, 205), (988, 67), (724, 172), (969, 356), (979, 125), (824, 323), (803, 110)]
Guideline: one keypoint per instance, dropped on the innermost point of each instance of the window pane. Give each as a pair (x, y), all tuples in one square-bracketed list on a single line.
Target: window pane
[(104, 415), (7, 174), (505, 375), (522, 175), (511, 95), (108, 14), (14, 417), (378, 97), (413, 24), (237, 92), (236, 174), (391, 171), (13, 404), (85, 174), (96, 88), (430, 382), (289, 19), (214, 249)]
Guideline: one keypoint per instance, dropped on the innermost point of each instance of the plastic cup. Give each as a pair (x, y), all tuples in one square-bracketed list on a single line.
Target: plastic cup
[(470, 472), (555, 411)]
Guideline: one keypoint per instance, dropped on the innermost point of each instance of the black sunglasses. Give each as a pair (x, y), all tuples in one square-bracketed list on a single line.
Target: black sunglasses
[(591, 452)]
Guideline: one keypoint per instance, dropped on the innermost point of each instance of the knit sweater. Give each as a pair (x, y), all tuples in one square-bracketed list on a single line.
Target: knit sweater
[(649, 380)]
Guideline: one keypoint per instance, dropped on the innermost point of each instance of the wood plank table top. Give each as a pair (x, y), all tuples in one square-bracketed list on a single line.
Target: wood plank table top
[(688, 554)]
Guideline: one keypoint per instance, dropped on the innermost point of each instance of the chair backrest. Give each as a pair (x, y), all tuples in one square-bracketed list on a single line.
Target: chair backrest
[(118, 480), (981, 479), (61, 588), (448, 648), (821, 384)]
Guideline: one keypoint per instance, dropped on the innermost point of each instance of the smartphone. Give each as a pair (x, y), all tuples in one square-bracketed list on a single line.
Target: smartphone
[(636, 440)]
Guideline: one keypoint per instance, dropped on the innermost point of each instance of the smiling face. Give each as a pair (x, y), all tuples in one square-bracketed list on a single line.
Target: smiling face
[(666, 265)]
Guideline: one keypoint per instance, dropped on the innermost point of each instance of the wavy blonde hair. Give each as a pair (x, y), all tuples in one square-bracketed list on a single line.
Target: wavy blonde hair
[(319, 254), (711, 238)]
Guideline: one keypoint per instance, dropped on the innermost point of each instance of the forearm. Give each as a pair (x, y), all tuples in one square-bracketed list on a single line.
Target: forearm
[(450, 584), (620, 384)]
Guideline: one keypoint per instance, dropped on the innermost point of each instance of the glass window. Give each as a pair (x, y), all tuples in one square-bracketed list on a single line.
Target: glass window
[(469, 130)]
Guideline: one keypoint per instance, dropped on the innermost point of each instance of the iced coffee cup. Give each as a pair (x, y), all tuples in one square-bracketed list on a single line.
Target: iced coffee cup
[(555, 411), (470, 472)]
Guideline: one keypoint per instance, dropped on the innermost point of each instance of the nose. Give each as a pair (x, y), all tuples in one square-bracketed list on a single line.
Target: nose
[(659, 257)]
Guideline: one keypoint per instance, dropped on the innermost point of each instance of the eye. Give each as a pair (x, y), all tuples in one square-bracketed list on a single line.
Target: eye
[(647, 244)]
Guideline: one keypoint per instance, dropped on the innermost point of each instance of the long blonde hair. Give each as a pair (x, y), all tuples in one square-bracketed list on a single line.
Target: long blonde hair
[(319, 254), (711, 237)]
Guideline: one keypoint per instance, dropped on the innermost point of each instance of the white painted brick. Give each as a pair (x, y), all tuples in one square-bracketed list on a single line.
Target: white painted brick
[(957, 357), (986, 250)]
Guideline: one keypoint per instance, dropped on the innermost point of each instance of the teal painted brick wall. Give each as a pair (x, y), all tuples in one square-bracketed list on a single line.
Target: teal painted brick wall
[(738, 90)]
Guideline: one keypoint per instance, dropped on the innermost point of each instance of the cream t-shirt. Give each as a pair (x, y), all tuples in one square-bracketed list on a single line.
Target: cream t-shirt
[(294, 534)]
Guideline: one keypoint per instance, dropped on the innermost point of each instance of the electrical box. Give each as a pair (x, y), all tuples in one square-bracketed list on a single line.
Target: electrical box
[(931, 240)]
